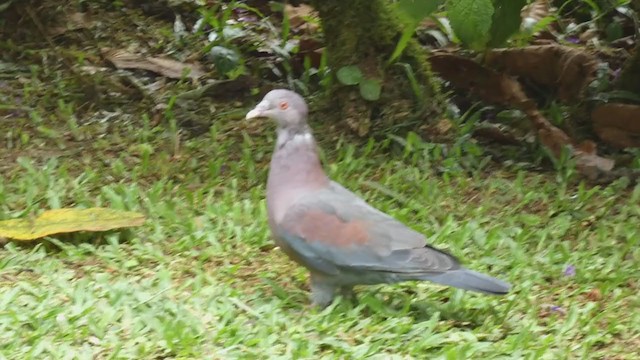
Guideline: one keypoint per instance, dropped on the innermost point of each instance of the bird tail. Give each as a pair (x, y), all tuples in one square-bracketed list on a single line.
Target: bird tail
[(470, 280)]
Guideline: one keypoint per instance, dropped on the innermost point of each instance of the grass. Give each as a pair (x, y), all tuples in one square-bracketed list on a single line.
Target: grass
[(202, 279)]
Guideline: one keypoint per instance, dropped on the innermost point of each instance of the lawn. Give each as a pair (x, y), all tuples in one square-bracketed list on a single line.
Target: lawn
[(202, 279)]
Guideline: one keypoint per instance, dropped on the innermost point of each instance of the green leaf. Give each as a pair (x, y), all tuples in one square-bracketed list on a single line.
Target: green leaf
[(506, 20), (614, 31), (5, 5), (413, 11), (407, 33), (415, 86), (349, 75), (370, 89), (225, 60), (471, 21)]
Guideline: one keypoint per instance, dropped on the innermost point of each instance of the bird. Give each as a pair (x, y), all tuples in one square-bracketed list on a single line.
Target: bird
[(341, 239)]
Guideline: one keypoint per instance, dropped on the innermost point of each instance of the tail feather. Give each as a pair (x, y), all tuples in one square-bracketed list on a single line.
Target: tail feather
[(470, 280)]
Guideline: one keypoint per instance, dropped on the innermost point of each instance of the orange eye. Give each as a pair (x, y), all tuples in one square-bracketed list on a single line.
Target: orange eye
[(283, 105)]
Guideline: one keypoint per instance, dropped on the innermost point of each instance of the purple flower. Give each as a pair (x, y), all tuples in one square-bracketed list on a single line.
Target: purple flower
[(616, 73), (569, 271), (573, 39), (557, 309)]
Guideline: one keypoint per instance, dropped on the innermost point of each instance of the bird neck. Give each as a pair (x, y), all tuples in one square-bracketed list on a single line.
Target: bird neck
[(296, 155), (295, 168), (294, 137)]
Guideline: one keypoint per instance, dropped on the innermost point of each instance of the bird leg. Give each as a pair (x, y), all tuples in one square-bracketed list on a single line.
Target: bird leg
[(322, 291)]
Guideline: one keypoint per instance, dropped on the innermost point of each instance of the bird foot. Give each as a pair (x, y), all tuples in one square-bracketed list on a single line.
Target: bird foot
[(322, 293)]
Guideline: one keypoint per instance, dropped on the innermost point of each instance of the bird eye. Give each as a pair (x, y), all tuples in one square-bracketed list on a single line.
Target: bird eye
[(283, 105)]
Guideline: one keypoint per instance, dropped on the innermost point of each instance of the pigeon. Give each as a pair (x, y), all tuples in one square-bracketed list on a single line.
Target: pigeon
[(341, 239)]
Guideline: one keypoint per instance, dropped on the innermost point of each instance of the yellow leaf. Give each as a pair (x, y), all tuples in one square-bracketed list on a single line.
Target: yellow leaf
[(69, 220)]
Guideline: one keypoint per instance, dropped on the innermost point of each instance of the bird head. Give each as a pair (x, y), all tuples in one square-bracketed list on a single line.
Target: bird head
[(285, 107)]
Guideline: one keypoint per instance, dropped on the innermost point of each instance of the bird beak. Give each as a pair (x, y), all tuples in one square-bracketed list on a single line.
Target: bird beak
[(258, 110)]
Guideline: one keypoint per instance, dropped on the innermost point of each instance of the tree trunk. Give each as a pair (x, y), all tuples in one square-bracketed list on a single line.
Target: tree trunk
[(365, 33)]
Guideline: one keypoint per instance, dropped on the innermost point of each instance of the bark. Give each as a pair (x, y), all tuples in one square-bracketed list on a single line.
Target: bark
[(365, 33)]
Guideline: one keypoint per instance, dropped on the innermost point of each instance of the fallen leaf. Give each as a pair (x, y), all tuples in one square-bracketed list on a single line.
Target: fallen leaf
[(298, 16), (69, 220), (485, 83), (72, 22), (498, 88), (589, 163), (588, 35), (594, 295), (443, 126), (567, 69), (163, 66), (534, 12), (617, 124), (495, 132)]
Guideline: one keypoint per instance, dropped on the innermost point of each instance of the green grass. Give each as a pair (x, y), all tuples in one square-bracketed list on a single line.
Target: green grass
[(202, 279)]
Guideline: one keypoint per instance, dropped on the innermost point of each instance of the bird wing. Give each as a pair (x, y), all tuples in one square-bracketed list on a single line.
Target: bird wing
[(333, 229)]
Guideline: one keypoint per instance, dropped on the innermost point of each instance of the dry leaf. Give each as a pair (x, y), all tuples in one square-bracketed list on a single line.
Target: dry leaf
[(443, 126), (497, 88), (594, 294), (496, 133), (534, 12), (567, 69), (593, 166), (617, 124), (588, 163), (485, 83), (74, 21), (298, 16), (588, 35), (69, 220), (165, 67)]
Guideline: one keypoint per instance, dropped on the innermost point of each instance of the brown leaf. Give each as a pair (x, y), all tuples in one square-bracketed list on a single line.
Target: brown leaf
[(569, 70), (71, 22), (588, 35), (535, 11), (594, 294), (298, 16), (593, 166), (495, 132), (163, 66), (588, 147), (617, 124), (485, 83), (497, 88), (443, 126)]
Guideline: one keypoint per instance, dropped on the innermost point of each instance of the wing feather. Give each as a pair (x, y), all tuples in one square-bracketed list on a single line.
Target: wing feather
[(334, 226)]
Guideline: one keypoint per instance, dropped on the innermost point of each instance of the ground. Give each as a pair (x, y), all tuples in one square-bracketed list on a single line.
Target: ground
[(203, 280)]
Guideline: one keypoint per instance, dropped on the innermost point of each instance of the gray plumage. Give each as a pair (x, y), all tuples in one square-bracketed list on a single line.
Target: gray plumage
[(341, 239)]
